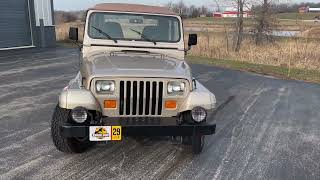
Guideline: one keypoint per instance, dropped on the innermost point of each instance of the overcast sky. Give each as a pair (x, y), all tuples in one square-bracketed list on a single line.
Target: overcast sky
[(85, 4)]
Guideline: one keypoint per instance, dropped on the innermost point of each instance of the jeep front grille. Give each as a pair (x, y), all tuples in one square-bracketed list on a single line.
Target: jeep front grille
[(140, 98)]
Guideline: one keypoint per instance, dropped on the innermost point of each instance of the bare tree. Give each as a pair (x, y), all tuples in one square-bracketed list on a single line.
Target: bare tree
[(169, 5), (63, 16), (217, 3), (264, 22), (194, 11), (241, 6), (179, 8), (187, 11), (239, 25), (204, 10)]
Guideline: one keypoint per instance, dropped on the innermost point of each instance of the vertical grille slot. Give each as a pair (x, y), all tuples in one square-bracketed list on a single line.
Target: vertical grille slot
[(141, 98), (141, 93), (121, 109), (154, 98), (128, 98), (160, 98), (134, 98), (147, 102)]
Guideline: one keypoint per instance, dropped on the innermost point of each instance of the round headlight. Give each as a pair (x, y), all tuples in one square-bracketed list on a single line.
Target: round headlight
[(105, 86), (79, 114), (176, 87), (199, 114)]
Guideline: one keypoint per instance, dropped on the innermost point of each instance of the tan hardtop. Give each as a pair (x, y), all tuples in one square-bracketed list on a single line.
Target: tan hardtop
[(138, 8)]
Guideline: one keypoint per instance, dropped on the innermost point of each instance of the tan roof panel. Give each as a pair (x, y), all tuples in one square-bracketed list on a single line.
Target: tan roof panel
[(133, 8)]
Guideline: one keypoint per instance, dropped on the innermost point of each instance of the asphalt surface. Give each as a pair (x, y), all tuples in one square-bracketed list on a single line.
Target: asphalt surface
[(269, 130)]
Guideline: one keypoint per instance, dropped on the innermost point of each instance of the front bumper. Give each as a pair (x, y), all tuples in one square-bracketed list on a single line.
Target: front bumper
[(143, 126)]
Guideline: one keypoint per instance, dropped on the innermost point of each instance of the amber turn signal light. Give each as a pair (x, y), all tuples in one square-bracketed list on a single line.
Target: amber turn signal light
[(170, 104), (110, 104)]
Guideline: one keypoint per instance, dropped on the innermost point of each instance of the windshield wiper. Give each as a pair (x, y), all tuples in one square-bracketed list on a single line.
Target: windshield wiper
[(143, 36), (105, 34)]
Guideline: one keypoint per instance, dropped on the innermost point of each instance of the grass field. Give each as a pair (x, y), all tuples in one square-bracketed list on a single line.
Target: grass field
[(312, 33), (276, 71), (289, 52), (300, 55), (291, 16), (284, 21), (295, 16), (216, 21)]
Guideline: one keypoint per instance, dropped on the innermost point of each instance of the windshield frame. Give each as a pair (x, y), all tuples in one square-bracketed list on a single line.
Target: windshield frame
[(89, 29)]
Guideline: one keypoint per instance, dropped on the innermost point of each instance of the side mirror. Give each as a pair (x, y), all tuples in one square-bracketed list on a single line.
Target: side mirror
[(193, 40), (74, 34)]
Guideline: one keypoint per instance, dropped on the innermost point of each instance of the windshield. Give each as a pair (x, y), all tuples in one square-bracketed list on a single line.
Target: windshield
[(152, 28)]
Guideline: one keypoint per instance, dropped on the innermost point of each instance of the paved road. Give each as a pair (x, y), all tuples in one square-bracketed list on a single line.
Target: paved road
[(270, 130)]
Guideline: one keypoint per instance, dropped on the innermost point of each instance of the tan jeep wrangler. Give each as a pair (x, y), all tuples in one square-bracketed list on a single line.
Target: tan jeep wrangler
[(133, 81)]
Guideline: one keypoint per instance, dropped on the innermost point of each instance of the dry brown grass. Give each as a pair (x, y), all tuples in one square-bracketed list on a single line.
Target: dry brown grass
[(62, 30), (295, 53), (311, 33), (282, 24)]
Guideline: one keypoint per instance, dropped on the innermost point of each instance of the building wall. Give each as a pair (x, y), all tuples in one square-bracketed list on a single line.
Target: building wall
[(235, 14), (43, 23), (21, 27), (43, 10), (15, 26), (314, 9), (308, 9)]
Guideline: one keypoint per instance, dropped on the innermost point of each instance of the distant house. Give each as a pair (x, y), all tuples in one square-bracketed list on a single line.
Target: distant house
[(235, 14), (308, 9), (232, 12), (217, 14), (303, 10), (314, 9)]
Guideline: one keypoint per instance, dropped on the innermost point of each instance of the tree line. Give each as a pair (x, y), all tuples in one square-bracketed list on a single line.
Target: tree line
[(188, 11), (291, 8)]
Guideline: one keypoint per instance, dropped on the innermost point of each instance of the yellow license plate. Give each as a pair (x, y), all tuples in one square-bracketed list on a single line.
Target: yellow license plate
[(105, 133), (116, 133)]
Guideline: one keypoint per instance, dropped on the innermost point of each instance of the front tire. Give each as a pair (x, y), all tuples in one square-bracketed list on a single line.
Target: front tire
[(198, 142), (63, 144), (187, 140)]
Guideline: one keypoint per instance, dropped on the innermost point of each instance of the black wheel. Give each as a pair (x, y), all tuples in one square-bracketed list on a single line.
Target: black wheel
[(198, 143), (67, 145), (186, 140)]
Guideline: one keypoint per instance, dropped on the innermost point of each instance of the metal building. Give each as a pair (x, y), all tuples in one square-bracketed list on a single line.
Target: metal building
[(26, 24), (314, 9)]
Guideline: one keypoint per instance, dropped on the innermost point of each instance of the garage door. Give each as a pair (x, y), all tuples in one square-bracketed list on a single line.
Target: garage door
[(14, 24)]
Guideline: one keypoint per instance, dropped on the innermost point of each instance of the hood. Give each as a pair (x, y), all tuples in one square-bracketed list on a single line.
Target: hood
[(136, 65)]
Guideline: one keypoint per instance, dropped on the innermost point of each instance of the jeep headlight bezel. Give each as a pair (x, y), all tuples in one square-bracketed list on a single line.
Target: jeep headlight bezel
[(199, 114), (79, 114), (105, 86), (176, 88)]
